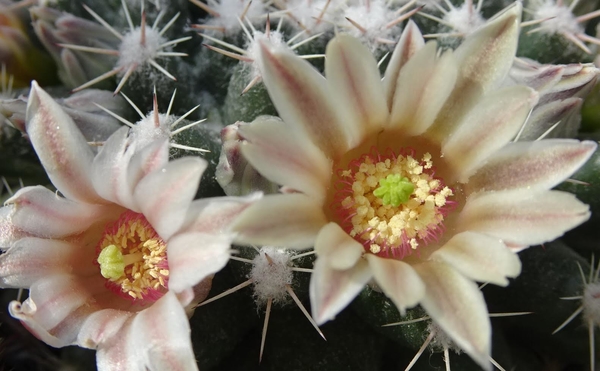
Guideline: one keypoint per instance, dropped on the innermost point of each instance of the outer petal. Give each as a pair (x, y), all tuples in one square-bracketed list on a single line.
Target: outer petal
[(152, 157), (57, 306), (410, 42), (109, 172), (480, 258), (398, 280), (431, 80), (161, 336), (157, 338), (33, 258), (61, 147), (522, 217), (194, 256), (216, 214), (165, 194), (487, 128), (457, 306), (332, 290), (39, 211), (485, 58), (544, 117), (353, 75), (285, 156), (337, 248), (533, 165), (302, 99), (290, 220)]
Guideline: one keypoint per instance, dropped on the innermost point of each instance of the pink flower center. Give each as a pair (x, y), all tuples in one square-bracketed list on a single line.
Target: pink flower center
[(391, 203), (133, 258)]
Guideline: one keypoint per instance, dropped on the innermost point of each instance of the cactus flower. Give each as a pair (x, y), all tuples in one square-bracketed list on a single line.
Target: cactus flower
[(412, 181)]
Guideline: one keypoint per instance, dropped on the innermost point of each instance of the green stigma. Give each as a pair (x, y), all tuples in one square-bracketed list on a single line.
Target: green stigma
[(112, 264), (394, 190)]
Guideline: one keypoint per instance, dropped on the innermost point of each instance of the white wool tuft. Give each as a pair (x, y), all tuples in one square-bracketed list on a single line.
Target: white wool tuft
[(275, 40), (562, 19), (591, 302), (270, 279), (230, 11), (146, 131), (374, 19), (132, 52), (463, 19)]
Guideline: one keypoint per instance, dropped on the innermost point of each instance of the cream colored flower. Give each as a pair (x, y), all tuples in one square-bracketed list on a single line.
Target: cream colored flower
[(412, 181), (116, 261)]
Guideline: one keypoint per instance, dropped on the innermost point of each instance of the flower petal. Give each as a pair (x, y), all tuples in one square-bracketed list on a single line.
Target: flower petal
[(536, 166), (30, 259), (484, 59), (431, 80), (216, 214), (165, 194), (521, 217), (194, 256), (410, 42), (544, 117), (289, 220), (152, 157), (353, 75), (157, 338), (480, 257), (302, 99), (487, 128), (40, 212), (285, 156), (337, 248), (161, 335), (109, 170), (398, 280), (57, 306), (61, 147), (331, 290), (457, 306)]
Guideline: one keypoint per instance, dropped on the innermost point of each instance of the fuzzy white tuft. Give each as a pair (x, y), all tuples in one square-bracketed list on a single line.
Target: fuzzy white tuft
[(147, 130), (231, 10), (270, 278), (275, 40), (374, 18), (133, 53), (464, 19), (559, 18), (591, 302)]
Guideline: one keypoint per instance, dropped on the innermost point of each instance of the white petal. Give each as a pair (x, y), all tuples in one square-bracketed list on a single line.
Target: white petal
[(337, 248), (331, 290), (480, 257), (484, 59), (285, 156), (533, 165), (290, 220), (109, 170), (57, 306), (487, 128), (39, 211), (164, 195), (431, 80), (161, 335), (410, 42), (521, 217), (62, 149), (155, 339), (302, 99), (457, 306), (398, 280), (545, 116), (216, 214), (30, 259), (152, 157), (353, 75), (194, 256)]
